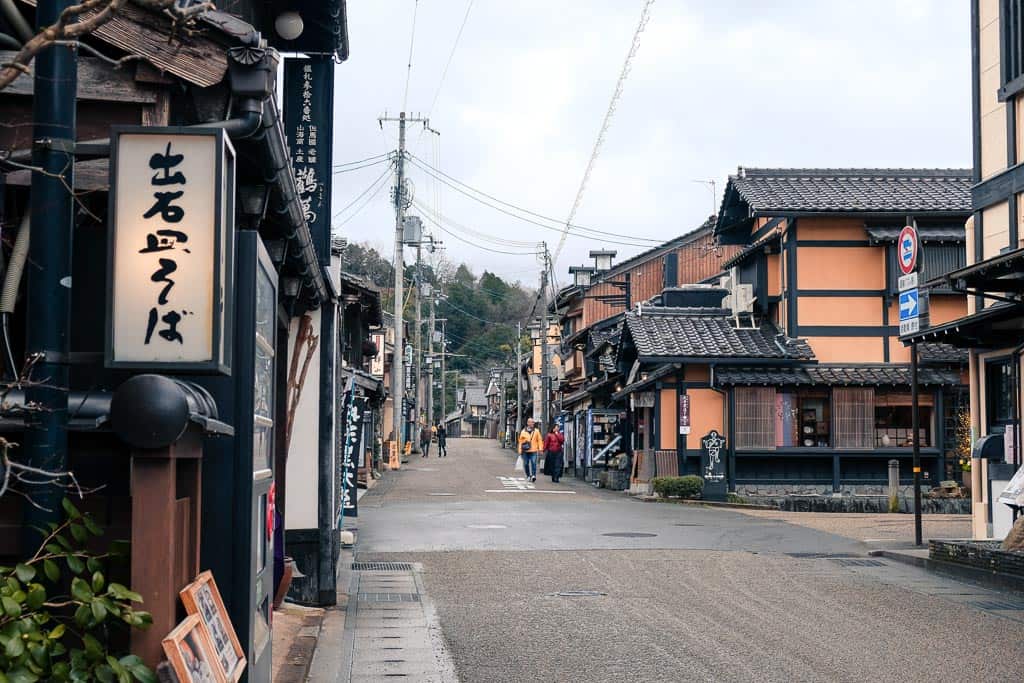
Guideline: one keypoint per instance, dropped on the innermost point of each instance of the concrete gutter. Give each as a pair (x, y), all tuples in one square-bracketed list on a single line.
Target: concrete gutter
[(703, 503), (919, 557)]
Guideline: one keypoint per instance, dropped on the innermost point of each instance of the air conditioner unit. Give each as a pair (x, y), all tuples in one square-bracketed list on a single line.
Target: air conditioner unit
[(742, 299)]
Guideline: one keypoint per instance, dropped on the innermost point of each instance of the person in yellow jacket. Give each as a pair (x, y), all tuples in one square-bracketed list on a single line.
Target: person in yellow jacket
[(530, 445)]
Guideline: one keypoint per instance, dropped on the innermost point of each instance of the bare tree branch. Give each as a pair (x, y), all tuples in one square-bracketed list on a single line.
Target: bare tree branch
[(90, 15)]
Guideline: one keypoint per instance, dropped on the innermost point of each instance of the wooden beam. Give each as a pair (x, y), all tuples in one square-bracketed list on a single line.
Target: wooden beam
[(97, 81)]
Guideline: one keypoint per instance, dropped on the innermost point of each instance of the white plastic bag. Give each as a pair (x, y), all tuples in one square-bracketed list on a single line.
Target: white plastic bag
[(519, 464)]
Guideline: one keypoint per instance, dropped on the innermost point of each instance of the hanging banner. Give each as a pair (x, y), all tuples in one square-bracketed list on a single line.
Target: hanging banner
[(308, 104), (684, 413), (352, 423), (170, 250)]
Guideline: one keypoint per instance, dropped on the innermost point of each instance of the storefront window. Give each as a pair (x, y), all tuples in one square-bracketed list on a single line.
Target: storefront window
[(802, 418), (999, 390), (755, 417), (855, 417), (894, 419)]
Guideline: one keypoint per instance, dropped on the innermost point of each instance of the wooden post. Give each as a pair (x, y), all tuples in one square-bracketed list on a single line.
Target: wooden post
[(894, 485), (165, 489)]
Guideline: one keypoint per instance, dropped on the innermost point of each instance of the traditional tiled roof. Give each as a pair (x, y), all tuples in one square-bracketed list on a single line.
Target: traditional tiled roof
[(707, 333), (926, 234), (476, 395), (835, 375), (779, 190), (937, 352)]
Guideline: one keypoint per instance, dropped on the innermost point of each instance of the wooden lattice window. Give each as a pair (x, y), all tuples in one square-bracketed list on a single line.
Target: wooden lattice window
[(755, 417), (854, 417)]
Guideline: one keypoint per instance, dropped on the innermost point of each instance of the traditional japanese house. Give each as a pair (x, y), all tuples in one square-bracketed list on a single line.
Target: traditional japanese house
[(991, 329), (794, 356), (178, 260), (590, 312)]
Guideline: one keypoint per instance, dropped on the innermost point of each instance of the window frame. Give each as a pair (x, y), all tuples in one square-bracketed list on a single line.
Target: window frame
[(1011, 48)]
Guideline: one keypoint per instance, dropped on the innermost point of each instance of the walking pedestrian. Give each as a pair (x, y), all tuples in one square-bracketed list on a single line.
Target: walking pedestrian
[(425, 440), (442, 440), (530, 445), (553, 444)]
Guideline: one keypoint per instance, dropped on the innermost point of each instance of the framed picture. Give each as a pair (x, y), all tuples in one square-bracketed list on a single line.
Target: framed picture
[(190, 652), (201, 598)]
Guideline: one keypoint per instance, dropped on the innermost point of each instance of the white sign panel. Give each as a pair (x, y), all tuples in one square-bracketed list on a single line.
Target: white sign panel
[(170, 246), (377, 362), (906, 282)]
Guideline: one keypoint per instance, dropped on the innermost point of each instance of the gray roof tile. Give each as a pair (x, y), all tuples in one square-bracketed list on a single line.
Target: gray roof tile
[(707, 333), (835, 375), (780, 190)]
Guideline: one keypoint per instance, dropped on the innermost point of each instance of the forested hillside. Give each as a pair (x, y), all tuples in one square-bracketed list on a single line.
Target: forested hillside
[(482, 310)]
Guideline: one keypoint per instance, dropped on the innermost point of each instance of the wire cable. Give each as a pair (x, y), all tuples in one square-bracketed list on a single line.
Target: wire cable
[(362, 194), (643, 242), (360, 161), (473, 244), (362, 206), (645, 16), (412, 41), (455, 45), (339, 171), (476, 233)]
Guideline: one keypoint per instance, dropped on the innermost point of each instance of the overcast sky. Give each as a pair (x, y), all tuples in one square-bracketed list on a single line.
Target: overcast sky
[(715, 84)]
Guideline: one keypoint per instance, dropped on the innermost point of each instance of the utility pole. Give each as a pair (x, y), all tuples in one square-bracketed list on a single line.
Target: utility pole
[(401, 201), (544, 379), (430, 364), (444, 354), (519, 379), (417, 351)]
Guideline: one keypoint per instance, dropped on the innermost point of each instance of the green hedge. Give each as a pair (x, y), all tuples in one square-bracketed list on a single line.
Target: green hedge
[(689, 486)]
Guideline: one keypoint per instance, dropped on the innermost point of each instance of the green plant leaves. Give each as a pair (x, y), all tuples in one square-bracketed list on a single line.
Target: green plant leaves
[(51, 570), (75, 564), (70, 509), (25, 573), (97, 582), (80, 590), (11, 608)]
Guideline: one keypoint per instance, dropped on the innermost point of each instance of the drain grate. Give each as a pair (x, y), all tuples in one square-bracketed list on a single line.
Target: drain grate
[(857, 562), (996, 605), (381, 567), (821, 556), (578, 594), (389, 597), (629, 534)]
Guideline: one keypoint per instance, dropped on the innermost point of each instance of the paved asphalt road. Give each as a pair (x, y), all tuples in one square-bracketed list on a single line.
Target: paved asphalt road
[(710, 595)]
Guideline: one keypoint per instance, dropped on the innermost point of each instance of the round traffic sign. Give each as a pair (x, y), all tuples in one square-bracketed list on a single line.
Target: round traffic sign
[(907, 249)]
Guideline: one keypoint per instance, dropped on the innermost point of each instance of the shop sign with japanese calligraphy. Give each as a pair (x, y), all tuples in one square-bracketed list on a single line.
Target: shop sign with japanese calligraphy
[(308, 105), (171, 249), (353, 409)]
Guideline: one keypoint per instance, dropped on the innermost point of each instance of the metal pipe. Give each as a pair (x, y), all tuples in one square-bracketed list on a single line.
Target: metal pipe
[(12, 282), (55, 89), (7, 40), (17, 20)]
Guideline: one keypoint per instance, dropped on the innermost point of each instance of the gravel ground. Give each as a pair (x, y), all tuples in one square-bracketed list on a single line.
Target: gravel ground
[(891, 527), (674, 615)]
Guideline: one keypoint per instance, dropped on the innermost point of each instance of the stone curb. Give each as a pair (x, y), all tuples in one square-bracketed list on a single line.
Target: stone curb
[(300, 652), (703, 503), (988, 579)]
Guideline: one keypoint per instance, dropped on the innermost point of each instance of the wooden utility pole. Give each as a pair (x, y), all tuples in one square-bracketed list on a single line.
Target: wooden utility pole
[(544, 379), (402, 201), (519, 379)]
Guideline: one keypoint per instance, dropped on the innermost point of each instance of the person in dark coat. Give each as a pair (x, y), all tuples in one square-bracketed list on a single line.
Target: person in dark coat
[(425, 436), (442, 440), (553, 444)]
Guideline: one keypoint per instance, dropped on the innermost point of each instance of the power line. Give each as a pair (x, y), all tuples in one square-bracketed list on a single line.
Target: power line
[(360, 161), (645, 15), (474, 244), (475, 233), (474, 317), (339, 171), (363, 193), (362, 206), (412, 40), (578, 230), (444, 74)]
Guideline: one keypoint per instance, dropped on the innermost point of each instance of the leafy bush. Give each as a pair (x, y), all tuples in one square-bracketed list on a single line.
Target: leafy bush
[(47, 634), (689, 486)]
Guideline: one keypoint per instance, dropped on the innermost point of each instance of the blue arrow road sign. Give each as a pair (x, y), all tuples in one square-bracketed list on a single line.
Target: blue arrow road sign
[(908, 304)]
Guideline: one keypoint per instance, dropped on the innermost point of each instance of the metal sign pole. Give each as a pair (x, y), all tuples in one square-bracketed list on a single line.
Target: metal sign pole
[(916, 425)]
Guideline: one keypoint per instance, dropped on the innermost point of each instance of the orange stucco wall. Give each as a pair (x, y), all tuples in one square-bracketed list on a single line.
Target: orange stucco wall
[(815, 310), (667, 420), (830, 229), (847, 349), (774, 275), (840, 267), (707, 412), (898, 353), (942, 309)]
